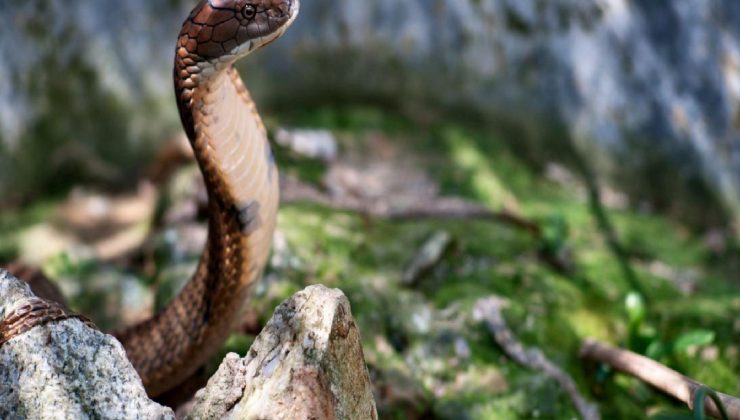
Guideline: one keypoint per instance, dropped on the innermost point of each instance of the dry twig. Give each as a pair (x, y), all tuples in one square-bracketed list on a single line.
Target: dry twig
[(489, 311), (657, 375), (444, 208), (292, 190)]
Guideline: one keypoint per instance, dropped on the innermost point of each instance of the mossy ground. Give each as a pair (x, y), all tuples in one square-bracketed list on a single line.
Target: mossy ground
[(426, 354)]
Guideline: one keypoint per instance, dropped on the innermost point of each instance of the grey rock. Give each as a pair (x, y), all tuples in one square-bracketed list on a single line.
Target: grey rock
[(630, 81), (427, 257), (66, 370), (315, 144), (306, 363)]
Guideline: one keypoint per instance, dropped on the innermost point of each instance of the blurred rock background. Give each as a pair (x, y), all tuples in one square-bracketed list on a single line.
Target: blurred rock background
[(646, 94)]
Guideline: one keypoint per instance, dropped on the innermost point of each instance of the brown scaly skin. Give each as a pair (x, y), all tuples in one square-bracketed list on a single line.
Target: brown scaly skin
[(33, 312), (230, 145)]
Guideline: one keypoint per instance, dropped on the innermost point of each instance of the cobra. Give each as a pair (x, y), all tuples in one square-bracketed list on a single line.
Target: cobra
[(232, 151)]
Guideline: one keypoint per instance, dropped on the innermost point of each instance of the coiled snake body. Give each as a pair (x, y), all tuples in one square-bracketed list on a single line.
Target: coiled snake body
[(230, 145)]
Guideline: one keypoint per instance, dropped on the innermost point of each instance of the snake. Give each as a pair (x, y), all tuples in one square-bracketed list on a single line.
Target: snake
[(233, 153)]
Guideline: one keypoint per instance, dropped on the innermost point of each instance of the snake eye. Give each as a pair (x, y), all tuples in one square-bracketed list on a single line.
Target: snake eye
[(249, 11)]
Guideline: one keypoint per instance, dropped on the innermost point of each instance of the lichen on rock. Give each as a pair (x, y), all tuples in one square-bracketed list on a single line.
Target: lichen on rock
[(306, 363), (66, 369)]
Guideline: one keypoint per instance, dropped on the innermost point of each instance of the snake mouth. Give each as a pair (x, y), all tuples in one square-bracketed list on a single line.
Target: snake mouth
[(292, 13), (274, 23)]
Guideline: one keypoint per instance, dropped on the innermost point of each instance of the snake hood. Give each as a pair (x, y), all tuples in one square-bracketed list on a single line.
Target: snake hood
[(218, 33), (223, 31)]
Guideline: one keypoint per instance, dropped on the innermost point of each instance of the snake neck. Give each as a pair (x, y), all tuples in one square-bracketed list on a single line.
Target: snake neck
[(223, 127), (231, 147)]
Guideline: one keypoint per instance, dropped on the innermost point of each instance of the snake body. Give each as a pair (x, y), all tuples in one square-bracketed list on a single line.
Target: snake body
[(232, 151)]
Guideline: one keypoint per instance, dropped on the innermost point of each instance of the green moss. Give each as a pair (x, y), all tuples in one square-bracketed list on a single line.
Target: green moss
[(14, 221), (409, 333), (715, 374), (548, 310), (349, 118)]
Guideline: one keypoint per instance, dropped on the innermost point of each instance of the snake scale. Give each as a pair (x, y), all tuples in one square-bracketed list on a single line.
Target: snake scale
[(232, 151)]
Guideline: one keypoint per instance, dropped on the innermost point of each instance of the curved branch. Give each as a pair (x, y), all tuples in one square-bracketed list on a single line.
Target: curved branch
[(659, 376), (488, 310)]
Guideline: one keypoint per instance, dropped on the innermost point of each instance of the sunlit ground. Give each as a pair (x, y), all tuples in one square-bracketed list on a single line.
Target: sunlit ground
[(426, 354)]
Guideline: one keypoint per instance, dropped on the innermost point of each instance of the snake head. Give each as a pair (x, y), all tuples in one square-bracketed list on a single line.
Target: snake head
[(226, 30)]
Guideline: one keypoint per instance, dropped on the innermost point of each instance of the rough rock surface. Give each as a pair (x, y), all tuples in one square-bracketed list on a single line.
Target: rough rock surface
[(639, 80), (306, 363), (66, 370), (642, 81)]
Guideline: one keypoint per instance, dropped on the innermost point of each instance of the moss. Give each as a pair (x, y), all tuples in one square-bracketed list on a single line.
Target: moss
[(409, 333), (548, 310)]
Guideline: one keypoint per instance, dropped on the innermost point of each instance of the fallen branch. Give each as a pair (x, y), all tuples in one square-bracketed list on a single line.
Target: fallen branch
[(659, 376), (444, 208), (292, 190), (488, 310)]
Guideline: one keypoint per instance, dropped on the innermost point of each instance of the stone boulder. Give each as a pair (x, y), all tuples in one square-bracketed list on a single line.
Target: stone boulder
[(66, 369), (306, 363), (650, 91)]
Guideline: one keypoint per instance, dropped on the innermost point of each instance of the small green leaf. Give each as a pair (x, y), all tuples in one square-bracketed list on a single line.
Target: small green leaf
[(635, 306), (648, 331), (656, 349), (693, 338)]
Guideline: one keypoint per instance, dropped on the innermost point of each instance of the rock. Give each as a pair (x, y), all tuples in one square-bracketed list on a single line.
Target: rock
[(392, 183), (650, 94), (306, 363), (314, 144), (684, 279), (105, 227), (40, 285), (65, 369), (427, 258), (40, 242), (636, 80)]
